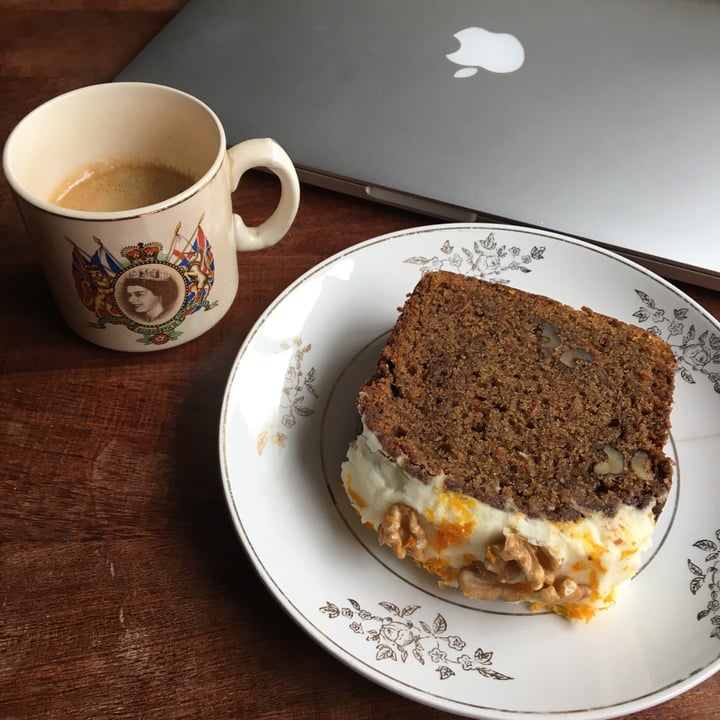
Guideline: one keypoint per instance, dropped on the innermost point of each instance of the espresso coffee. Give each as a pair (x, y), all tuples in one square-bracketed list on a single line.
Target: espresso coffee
[(110, 186)]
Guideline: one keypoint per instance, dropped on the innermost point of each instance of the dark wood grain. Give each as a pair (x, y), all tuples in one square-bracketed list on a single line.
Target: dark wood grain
[(124, 591)]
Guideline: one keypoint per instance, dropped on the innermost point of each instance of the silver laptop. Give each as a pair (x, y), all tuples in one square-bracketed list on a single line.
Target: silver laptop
[(597, 119)]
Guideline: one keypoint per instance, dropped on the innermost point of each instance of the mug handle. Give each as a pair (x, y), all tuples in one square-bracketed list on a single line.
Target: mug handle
[(265, 153)]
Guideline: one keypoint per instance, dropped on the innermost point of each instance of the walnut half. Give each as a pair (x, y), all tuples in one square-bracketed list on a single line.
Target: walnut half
[(402, 531), (517, 560), (516, 569)]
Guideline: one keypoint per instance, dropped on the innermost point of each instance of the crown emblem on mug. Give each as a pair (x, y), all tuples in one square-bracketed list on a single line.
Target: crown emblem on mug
[(142, 253)]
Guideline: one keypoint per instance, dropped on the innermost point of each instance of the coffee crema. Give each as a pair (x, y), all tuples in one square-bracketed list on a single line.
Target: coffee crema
[(111, 186)]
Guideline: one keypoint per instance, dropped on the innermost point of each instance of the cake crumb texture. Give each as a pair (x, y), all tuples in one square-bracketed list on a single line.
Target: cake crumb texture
[(522, 402)]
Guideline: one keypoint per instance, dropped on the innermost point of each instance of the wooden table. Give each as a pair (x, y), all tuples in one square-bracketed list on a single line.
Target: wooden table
[(124, 588)]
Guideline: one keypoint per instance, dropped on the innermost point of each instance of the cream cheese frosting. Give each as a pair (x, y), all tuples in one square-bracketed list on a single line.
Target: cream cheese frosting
[(596, 552)]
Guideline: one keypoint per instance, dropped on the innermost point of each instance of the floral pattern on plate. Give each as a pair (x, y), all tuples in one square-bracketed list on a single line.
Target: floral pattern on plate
[(708, 578), (487, 259), (293, 404), (397, 636)]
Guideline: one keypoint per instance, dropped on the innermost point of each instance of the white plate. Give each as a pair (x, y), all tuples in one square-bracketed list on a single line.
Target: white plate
[(289, 413)]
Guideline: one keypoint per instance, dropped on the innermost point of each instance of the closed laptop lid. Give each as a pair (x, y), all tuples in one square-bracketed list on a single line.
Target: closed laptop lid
[(594, 118)]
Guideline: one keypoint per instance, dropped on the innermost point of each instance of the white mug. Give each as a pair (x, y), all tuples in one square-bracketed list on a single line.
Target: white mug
[(160, 274)]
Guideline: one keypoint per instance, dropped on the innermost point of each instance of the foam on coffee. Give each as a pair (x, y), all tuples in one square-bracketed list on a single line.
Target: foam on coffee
[(111, 186)]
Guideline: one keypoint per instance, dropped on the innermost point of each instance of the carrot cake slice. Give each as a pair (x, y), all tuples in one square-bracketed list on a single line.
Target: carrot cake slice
[(513, 445)]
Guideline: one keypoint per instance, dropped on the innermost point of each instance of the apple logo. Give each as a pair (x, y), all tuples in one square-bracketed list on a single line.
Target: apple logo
[(480, 48)]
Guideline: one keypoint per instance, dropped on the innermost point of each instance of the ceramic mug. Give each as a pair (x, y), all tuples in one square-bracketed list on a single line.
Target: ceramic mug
[(155, 275)]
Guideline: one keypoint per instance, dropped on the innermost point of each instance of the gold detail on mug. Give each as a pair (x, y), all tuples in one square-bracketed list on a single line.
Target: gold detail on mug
[(147, 290), (122, 184)]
